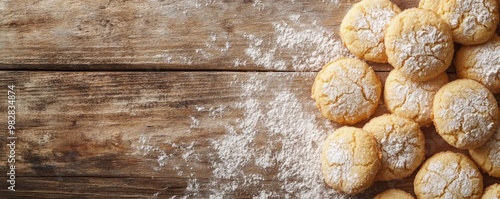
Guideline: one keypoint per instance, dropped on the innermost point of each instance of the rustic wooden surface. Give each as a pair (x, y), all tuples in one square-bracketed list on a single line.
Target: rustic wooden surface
[(99, 97), (154, 34)]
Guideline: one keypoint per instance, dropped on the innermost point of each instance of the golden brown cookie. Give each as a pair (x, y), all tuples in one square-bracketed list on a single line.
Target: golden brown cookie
[(394, 194), (347, 90), (362, 29), (350, 160), (465, 113), (410, 99), (402, 145), (487, 157), (492, 192), (481, 63), (448, 175), (419, 44), (471, 21)]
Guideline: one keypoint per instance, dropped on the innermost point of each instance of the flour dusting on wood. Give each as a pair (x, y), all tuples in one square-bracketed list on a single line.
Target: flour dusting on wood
[(298, 46), (271, 145)]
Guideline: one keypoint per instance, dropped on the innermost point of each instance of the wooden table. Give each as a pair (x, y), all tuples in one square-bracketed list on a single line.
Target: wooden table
[(162, 99)]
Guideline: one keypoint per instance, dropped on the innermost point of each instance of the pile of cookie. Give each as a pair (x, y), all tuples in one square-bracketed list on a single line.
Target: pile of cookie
[(419, 44)]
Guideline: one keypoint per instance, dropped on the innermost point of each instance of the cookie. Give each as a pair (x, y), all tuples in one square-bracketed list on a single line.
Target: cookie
[(362, 29), (448, 175), (471, 21), (487, 157), (347, 90), (410, 99), (431, 5), (402, 145), (481, 63), (465, 113), (350, 160), (394, 193), (492, 192), (419, 44)]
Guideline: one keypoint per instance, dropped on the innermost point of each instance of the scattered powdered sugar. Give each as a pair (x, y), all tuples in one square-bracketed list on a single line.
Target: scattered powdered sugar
[(301, 137), (163, 157), (144, 148), (271, 150), (370, 26), (422, 51), (282, 122), (336, 2), (309, 46), (469, 112)]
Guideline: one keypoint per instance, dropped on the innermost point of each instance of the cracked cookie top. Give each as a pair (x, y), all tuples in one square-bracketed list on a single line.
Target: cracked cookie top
[(481, 63), (402, 145), (347, 90), (362, 29), (465, 113), (487, 157), (350, 160), (492, 192), (471, 21), (410, 99), (419, 44), (448, 175), (394, 193)]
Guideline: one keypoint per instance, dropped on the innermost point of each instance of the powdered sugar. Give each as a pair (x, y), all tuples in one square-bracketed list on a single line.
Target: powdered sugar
[(400, 151), (469, 112), (285, 123), (370, 26), (487, 63), (309, 46), (411, 99), (448, 179), (345, 93), (470, 14), (494, 149), (338, 153), (422, 51), (272, 149), (348, 90)]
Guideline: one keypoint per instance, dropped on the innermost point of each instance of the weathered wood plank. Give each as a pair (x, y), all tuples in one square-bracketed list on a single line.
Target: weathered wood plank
[(135, 134), (159, 35)]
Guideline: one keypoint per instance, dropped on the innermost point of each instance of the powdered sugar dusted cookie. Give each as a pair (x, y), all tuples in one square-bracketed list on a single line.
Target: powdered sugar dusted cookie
[(350, 160), (465, 113), (362, 29), (347, 90), (492, 192), (448, 175), (487, 156), (394, 194), (419, 44), (402, 145), (481, 63), (410, 99), (471, 21)]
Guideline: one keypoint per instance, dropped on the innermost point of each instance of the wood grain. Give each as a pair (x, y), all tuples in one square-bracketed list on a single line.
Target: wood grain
[(125, 98), (161, 35), (102, 134)]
